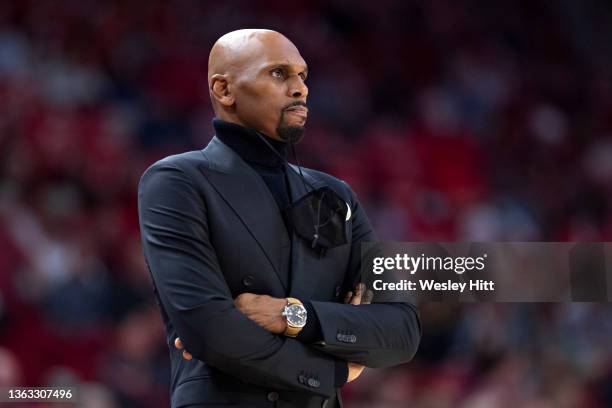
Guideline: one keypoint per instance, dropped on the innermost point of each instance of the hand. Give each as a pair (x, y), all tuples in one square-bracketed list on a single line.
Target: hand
[(179, 345), (354, 371), (361, 296), (264, 310)]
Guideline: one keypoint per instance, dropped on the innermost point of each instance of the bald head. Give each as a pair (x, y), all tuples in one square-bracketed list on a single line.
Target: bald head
[(253, 76), (237, 48)]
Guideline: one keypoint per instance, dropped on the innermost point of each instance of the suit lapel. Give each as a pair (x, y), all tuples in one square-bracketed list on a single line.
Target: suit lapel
[(304, 275), (250, 199)]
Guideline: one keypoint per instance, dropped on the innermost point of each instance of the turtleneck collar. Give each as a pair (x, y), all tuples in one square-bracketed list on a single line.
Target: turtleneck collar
[(248, 145)]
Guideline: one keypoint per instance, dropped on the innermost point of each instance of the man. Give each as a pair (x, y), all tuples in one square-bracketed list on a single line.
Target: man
[(254, 295)]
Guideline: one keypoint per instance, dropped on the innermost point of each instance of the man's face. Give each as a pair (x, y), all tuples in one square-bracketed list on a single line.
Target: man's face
[(270, 91)]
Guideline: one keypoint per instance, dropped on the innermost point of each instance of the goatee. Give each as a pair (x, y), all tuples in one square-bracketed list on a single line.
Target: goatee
[(290, 134)]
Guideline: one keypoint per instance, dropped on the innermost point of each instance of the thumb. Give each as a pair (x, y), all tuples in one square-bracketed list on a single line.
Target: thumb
[(178, 343)]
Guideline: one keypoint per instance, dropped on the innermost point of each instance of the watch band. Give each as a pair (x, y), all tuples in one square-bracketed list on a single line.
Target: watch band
[(292, 331)]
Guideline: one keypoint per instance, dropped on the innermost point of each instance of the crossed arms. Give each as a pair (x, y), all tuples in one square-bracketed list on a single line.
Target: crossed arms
[(266, 312), (194, 295)]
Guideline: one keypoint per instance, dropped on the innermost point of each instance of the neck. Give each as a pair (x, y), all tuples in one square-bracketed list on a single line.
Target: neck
[(248, 145)]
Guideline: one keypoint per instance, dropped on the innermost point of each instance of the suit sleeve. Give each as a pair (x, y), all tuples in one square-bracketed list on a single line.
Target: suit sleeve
[(192, 290), (375, 335)]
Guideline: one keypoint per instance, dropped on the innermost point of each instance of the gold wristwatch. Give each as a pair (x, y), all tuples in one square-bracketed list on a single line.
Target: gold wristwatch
[(295, 314)]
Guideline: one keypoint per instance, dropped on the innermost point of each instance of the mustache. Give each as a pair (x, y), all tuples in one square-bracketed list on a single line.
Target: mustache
[(296, 103)]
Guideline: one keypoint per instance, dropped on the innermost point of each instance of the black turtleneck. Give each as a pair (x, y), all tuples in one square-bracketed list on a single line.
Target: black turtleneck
[(272, 168)]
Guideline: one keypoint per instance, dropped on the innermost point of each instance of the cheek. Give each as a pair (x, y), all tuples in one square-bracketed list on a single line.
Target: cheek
[(259, 101)]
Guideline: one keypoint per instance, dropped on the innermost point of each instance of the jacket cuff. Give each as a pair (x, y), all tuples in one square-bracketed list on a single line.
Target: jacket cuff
[(340, 373), (311, 333)]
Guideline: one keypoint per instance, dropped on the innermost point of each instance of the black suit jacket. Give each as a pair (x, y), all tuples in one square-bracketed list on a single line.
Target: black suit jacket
[(210, 231)]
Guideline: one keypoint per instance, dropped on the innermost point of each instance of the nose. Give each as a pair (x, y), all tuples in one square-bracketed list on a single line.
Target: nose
[(297, 88)]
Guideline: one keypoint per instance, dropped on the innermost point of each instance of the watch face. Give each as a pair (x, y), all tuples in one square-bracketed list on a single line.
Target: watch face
[(296, 315)]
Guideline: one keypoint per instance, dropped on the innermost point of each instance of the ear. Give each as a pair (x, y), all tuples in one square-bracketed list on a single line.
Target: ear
[(220, 90)]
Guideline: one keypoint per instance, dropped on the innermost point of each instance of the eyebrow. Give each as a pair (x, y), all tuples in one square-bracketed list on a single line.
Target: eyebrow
[(286, 67)]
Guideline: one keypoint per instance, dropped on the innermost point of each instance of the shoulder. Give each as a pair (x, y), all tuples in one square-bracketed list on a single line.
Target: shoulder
[(177, 167), (184, 162)]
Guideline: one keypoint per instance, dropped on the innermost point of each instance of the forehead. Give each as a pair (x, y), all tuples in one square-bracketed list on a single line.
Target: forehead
[(274, 50)]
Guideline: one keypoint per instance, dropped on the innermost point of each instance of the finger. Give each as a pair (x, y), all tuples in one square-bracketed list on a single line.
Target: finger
[(178, 343), (367, 297), (362, 370), (355, 371), (348, 297), (244, 299), (187, 355), (356, 300)]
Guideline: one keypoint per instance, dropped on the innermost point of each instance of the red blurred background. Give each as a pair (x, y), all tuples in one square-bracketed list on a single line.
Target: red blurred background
[(468, 120)]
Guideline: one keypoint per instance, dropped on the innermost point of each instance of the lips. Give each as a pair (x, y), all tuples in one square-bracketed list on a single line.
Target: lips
[(298, 110)]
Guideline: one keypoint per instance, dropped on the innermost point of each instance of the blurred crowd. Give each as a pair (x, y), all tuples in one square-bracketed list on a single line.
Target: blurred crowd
[(470, 121)]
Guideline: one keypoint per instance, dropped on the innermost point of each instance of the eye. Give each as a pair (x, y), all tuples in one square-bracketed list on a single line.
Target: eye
[(303, 76), (277, 73)]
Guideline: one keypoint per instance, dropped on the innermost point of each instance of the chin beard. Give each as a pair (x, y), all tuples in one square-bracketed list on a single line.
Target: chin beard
[(290, 134)]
